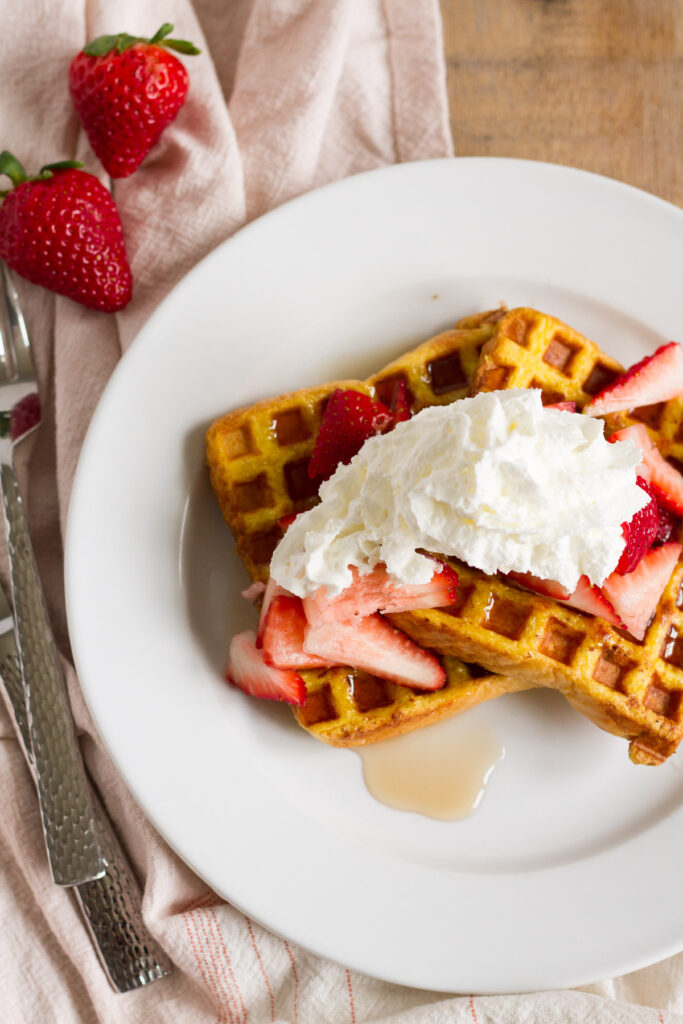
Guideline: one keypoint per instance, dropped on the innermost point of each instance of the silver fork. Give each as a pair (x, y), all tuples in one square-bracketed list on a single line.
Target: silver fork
[(67, 807)]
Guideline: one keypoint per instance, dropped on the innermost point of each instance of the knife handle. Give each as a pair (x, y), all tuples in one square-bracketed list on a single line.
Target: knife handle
[(66, 804)]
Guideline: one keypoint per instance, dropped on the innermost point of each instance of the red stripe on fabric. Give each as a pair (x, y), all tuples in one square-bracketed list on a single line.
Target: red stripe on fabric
[(473, 1011), (295, 977), (227, 997), (200, 964), (351, 1002), (228, 961), (197, 901), (262, 969)]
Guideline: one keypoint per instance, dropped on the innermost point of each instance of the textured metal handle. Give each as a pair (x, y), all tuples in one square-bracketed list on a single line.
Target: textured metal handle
[(111, 905), (66, 803)]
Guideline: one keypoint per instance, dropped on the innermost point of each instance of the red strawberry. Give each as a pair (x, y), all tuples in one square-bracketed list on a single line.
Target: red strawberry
[(283, 635), (61, 230), (635, 597), (640, 533), (272, 591), (548, 588), (350, 418), (589, 598), (666, 524), (563, 406), (376, 591), (400, 403), (586, 597), (654, 379), (254, 591), (665, 481), (372, 645), (126, 90), (24, 416), (248, 670)]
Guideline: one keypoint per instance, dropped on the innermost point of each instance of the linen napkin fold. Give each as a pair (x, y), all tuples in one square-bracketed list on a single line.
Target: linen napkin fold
[(286, 96)]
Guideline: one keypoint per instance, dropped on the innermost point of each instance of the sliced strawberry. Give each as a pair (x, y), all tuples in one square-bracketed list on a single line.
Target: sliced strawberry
[(375, 591), (350, 418), (654, 379), (254, 591), (563, 406), (248, 670), (286, 521), (640, 533), (372, 645), (665, 481), (666, 524), (400, 404), (283, 635), (586, 597), (589, 598), (635, 597), (272, 590), (548, 588)]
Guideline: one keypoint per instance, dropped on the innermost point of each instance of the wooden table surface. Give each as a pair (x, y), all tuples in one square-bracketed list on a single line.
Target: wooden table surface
[(596, 84)]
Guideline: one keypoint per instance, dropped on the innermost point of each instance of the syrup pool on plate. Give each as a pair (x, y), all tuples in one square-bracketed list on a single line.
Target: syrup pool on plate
[(440, 771)]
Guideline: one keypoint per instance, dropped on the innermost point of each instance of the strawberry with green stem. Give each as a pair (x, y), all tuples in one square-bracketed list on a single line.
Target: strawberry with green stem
[(61, 229), (127, 90)]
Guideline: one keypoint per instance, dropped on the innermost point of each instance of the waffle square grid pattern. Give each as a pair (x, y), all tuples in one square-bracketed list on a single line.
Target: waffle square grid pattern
[(258, 458), (629, 688), (258, 461)]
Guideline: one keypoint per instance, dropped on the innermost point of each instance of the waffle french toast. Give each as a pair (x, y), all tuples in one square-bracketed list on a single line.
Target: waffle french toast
[(258, 456), (629, 688), (258, 461)]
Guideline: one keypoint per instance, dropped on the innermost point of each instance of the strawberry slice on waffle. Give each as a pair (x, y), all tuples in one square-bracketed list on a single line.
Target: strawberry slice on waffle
[(284, 632), (248, 670), (666, 482), (375, 591), (374, 646), (657, 378), (635, 596)]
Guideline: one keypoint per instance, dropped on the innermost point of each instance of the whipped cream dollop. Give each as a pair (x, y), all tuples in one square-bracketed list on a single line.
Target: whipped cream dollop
[(497, 480)]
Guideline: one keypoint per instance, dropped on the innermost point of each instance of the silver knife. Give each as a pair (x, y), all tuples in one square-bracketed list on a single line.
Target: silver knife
[(112, 904)]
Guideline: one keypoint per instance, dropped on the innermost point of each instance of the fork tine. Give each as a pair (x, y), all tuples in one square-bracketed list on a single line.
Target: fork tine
[(17, 341), (8, 369)]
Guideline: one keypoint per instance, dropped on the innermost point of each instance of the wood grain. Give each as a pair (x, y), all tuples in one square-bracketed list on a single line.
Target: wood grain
[(596, 84)]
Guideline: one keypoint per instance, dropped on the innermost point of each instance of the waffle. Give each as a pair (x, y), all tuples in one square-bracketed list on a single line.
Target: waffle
[(258, 456), (258, 462), (346, 707), (629, 688)]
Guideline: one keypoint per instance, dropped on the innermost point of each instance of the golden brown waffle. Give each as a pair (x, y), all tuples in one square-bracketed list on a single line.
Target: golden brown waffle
[(258, 461), (346, 707), (258, 456), (532, 350), (629, 688)]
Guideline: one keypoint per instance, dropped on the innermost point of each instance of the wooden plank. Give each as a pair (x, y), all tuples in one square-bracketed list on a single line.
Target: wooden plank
[(596, 84)]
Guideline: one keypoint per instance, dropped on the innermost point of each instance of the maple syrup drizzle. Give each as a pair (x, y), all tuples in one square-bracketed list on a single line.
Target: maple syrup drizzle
[(440, 771)]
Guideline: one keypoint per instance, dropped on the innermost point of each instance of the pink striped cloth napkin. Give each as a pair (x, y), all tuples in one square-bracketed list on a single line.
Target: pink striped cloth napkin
[(287, 95)]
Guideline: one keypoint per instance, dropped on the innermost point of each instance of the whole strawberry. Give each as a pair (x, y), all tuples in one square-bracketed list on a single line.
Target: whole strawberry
[(61, 229), (127, 90)]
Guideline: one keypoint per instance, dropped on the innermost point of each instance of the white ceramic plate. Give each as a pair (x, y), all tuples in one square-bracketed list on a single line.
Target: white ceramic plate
[(569, 870)]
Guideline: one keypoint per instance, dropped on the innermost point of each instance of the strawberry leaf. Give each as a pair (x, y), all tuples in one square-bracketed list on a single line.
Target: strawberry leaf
[(103, 45), (182, 46), (164, 31), (10, 166)]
